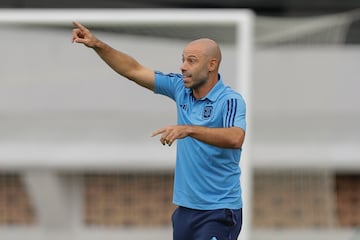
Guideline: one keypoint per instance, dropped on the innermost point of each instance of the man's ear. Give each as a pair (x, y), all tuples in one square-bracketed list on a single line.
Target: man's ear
[(213, 64)]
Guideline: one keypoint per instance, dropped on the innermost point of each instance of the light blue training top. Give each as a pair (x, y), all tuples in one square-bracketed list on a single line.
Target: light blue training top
[(206, 177)]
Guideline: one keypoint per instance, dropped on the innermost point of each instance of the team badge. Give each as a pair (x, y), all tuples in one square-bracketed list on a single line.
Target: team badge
[(207, 112)]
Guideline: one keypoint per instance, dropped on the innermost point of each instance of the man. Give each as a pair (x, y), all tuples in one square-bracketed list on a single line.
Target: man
[(210, 133)]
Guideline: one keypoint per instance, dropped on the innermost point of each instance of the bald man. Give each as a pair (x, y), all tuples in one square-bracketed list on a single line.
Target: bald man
[(209, 133)]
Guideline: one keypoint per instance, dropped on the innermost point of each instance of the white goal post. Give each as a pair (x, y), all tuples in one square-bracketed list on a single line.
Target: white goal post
[(236, 25)]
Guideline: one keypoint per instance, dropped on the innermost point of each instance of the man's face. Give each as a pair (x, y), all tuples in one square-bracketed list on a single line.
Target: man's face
[(194, 67)]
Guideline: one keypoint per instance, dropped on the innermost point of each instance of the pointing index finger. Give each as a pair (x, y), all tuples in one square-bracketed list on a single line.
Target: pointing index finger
[(79, 25), (157, 132)]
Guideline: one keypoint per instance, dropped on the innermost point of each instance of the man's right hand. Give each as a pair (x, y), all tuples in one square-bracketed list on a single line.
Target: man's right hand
[(81, 34)]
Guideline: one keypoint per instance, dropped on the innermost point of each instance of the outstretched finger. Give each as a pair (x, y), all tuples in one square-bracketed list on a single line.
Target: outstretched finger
[(79, 25), (157, 132)]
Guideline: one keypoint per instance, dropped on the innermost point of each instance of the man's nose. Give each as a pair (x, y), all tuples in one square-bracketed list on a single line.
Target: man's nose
[(183, 67)]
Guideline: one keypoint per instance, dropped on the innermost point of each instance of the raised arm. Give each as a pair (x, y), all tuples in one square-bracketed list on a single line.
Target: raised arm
[(120, 62)]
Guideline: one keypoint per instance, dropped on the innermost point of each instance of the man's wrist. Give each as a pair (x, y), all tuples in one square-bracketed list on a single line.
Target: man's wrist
[(98, 44)]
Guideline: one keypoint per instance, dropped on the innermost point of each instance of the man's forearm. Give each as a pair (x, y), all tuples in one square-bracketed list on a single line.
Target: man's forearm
[(125, 65), (221, 137), (120, 62)]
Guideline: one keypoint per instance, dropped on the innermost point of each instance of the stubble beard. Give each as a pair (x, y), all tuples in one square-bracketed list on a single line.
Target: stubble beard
[(195, 84)]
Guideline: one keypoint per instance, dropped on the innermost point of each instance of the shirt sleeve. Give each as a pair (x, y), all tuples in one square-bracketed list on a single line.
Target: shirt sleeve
[(167, 84), (234, 112)]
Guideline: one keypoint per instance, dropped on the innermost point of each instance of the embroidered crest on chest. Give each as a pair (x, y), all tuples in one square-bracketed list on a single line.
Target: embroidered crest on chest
[(207, 111)]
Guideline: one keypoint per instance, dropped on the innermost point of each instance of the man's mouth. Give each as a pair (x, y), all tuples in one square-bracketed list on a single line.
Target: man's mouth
[(186, 76)]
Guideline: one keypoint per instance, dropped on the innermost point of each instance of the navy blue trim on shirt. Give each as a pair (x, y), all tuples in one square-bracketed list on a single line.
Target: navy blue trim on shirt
[(231, 112)]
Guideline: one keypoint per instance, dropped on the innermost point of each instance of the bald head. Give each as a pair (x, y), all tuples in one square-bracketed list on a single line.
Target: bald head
[(208, 47)]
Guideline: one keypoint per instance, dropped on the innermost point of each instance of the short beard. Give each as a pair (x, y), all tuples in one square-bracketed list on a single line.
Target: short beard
[(199, 84)]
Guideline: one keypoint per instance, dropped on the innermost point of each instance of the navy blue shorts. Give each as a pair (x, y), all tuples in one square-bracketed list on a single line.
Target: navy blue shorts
[(221, 224)]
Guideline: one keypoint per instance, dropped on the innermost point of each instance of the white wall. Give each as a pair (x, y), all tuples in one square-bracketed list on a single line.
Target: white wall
[(306, 107)]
